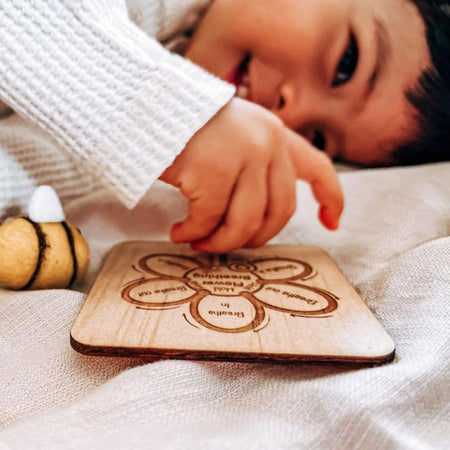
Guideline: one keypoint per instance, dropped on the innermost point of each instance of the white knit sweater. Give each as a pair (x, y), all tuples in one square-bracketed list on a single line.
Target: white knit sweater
[(97, 98)]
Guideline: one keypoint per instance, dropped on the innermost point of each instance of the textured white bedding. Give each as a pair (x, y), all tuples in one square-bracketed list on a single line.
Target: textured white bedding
[(393, 246)]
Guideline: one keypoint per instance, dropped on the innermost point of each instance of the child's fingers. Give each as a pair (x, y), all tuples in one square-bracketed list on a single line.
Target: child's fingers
[(316, 168), (244, 217), (281, 203), (206, 212)]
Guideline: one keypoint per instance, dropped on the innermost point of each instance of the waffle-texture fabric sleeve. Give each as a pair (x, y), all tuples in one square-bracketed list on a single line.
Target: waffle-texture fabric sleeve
[(164, 19), (111, 96)]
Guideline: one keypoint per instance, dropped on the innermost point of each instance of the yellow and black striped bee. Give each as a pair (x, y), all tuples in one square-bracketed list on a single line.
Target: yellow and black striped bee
[(41, 255)]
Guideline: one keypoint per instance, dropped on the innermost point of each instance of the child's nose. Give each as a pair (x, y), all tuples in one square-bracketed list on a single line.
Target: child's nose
[(300, 109)]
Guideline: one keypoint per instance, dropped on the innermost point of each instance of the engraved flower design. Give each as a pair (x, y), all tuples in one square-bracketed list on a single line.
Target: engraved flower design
[(228, 293)]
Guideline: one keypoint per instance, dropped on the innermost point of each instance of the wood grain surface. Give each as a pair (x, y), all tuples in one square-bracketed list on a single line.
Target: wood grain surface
[(283, 303)]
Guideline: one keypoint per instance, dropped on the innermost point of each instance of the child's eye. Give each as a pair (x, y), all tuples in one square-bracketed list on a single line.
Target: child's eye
[(347, 65), (319, 141)]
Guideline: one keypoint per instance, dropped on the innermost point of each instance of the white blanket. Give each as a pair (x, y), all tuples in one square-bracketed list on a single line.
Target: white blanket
[(393, 246)]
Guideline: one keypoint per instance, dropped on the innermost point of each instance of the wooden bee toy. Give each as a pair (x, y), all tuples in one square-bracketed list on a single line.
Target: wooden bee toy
[(42, 250)]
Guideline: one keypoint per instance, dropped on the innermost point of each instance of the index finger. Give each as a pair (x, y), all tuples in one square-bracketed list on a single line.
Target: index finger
[(314, 167)]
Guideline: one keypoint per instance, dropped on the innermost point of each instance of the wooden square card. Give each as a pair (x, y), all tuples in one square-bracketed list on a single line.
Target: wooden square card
[(280, 303)]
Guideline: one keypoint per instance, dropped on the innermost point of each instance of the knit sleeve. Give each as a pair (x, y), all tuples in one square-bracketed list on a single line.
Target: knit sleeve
[(120, 104)]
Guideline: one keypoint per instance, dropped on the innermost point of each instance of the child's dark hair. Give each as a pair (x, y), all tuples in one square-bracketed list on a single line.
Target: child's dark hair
[(431, 98)]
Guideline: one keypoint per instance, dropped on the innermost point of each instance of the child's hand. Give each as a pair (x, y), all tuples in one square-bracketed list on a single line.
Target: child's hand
[(239, 172)]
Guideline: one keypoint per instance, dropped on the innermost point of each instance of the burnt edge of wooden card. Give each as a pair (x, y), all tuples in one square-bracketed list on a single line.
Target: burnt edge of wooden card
[(150, 354)]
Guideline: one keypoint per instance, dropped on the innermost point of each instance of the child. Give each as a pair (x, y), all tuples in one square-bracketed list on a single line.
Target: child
[(118, 108)]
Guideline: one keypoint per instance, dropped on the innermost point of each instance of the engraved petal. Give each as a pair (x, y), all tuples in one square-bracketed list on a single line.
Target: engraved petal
[(297, 299), (168, 265), (227, 314), (282, 269), (157, 294)]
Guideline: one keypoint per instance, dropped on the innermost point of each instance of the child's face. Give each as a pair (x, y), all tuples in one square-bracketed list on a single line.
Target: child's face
[(335, 70)]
